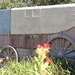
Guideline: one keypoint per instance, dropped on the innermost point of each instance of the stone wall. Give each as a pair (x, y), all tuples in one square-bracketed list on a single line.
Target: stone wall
[(42, 19)]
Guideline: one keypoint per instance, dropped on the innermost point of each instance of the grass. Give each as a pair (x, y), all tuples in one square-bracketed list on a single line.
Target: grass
[(27, 67)]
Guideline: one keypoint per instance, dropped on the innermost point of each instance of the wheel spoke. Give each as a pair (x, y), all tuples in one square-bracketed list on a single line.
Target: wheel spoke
[(66, 47), (72, 57), (54, 51), (63, 41), (12, 52), (70, 51), (7, 51), (3, 55), (58, 43), (12, 57), (53, 55), (54, 45)]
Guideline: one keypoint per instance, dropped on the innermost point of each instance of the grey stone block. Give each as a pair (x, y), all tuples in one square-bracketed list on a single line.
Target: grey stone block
[(42, 19)]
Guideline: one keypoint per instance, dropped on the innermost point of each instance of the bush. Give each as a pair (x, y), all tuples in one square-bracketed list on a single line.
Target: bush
[(58, 67), (39, 65)]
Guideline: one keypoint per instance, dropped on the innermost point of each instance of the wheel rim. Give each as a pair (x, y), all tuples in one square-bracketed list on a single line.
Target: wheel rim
[(62, 47), (9, 53)]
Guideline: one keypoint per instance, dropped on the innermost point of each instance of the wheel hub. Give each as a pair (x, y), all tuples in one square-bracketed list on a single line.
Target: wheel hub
[(60, 54), (7, 58)]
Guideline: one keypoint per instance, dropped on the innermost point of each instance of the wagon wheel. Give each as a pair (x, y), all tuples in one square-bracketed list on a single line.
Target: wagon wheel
[(9, 53), (62, 47)]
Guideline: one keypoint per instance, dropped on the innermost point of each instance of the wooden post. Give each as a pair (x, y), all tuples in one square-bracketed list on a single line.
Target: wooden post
[(8, 38)]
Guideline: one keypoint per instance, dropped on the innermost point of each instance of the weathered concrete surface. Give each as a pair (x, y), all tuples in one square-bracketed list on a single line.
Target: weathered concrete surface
[(5, 21), (42, 19)]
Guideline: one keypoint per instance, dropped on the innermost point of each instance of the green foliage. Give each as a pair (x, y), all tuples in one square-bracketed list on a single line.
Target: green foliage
[(27, 67), (8, 4)]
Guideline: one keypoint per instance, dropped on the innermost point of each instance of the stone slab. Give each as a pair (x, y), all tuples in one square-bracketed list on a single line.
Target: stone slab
[(42, 19)]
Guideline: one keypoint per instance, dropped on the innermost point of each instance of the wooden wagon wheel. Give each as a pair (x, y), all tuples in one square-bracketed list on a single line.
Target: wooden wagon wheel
[(62, 47), (9, 53)]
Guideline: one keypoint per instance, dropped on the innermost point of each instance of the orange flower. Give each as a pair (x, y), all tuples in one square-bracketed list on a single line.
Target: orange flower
[(43, 49), (1, 59), (49, 61)]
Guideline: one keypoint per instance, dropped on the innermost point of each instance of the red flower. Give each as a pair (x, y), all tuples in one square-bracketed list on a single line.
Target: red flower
[(46, 45), (49, 61)]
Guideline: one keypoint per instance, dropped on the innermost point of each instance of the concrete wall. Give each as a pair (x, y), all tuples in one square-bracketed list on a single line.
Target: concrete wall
[(42, 19), (5, 21)]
